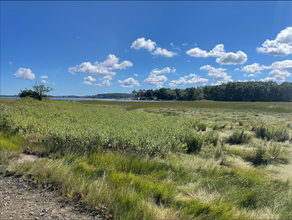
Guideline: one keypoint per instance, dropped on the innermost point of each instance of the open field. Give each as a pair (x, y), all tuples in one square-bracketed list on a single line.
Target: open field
[(158, 160)]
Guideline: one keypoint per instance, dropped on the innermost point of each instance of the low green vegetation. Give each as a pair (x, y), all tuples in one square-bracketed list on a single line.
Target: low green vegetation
[(155, 160)]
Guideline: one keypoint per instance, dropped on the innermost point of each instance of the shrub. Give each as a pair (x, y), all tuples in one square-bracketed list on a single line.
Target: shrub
[(199, 140), (240, 123), (266, 152), (277, 133), (238, 137), (201, 126), (215, 126)]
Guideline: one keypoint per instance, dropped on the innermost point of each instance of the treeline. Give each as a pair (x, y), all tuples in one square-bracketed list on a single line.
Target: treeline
[(113, 95), (232, 91)]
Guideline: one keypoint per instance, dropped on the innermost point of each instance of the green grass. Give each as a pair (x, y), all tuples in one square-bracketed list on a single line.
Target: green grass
[(158, 160)]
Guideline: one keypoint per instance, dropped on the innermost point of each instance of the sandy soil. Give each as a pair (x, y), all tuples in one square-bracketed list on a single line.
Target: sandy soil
[(23, 199)]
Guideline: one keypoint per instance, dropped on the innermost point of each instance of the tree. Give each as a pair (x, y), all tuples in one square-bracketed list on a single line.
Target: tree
[(38, 93), (41, 90), (28, 93)]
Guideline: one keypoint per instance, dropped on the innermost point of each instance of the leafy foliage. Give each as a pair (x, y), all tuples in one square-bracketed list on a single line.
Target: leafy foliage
[(38, 93)]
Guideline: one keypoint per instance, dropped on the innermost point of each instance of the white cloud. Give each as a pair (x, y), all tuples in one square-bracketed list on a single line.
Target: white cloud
[(155, 80), (163, 52), (217, 51), (280, 73), (192, 79), (24, 73), (44, 81), (129, 83), (102, 68), (10, 63), (104, 83), (142, 43), (54, 84), (44, 77), (251, 75), (244, 75), (232, 58), (281, 46), (223, 57), (217, 74), (174, 47), (253, 68), (87, 83), (236, 69), (135, 74), (282, 65), (88, 80), (268, 79), (185, 44)]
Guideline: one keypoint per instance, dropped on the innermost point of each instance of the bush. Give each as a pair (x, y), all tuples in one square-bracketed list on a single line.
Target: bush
[(199, 140), (201, 126), (277, 133), (266, 152), (238, 137)]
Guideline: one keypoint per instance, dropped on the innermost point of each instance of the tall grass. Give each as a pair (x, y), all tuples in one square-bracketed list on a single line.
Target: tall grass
[(238, 137), (272, 132)]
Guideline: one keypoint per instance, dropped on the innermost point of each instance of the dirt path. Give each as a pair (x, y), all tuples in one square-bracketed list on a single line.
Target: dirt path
[(23, 199)]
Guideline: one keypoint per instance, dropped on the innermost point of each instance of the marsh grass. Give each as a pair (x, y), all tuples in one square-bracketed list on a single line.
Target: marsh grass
[(266, 153), (207, 183), (272, 132), (238, 137)]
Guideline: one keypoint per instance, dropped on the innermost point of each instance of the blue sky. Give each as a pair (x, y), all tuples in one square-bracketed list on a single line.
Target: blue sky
[(86, 48)]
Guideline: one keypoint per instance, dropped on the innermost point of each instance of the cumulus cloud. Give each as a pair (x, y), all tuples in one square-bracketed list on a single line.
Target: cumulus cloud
[(163, 52), (104, 83), (232, 58), (88, 80), (44, 77), (251, 75), (281, 46), (10, 63), (223, 57), (24, 73), (142, 43), (268, 79), (236, 69), (217, 74), (253, 68), (282, 65), (278, 75), (44, 81), (129, 83), (150, 46), (135, 74), (154, 79), (103, 68), (189, 79)]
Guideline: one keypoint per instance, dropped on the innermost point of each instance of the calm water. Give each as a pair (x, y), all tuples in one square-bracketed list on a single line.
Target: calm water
[(80, 99)]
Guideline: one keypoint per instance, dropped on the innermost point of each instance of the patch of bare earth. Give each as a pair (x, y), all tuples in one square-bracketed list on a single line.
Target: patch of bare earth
[(23, 199)]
